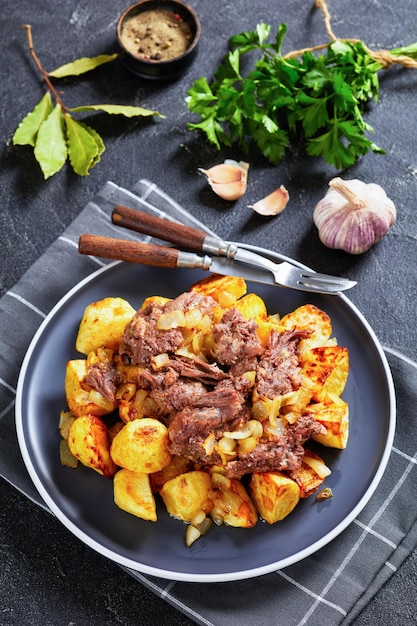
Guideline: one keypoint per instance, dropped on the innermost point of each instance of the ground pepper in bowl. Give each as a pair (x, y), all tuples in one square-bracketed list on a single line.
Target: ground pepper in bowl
[(156, 35)]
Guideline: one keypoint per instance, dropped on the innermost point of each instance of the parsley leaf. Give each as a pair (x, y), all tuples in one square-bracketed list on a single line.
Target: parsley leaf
[(270, 100)]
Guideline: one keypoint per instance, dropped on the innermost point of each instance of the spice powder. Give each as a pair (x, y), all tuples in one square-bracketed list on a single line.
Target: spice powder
[(156, 35)]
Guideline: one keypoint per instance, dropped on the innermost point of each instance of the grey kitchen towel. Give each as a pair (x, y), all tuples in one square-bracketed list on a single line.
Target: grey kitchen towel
[(330, 587)]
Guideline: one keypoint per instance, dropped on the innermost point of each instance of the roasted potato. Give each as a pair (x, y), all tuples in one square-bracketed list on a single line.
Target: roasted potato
[(179, 465), (132, 493), (252, 307), (103, 324), (311, 474), (89, 442), (142, 446), (187, 494), (231, 503), (335, 417), (309, 317), (274, 494), (78, 393), (224, 289), (328, 368)]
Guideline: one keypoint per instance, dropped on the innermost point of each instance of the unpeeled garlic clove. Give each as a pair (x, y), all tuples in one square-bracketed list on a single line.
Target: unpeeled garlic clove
[(229, 179), (272, 204), (353, 215)]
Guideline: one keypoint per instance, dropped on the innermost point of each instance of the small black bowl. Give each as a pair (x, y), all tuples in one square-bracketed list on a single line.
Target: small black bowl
[(149, 58)]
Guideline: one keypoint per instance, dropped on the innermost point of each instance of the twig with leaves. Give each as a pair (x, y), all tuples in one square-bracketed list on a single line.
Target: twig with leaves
[(52, 130)]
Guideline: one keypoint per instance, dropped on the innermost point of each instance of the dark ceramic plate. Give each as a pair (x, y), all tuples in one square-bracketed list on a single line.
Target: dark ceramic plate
[(83, 500)]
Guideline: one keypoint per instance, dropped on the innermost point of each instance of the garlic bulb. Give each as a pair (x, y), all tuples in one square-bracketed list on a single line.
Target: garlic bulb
[(353, 215), (229, 179)]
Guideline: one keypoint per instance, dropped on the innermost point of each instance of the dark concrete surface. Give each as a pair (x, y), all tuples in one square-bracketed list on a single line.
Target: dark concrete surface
[(47, 576)]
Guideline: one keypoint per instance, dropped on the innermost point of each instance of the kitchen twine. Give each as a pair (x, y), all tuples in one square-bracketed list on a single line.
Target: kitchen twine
[(384, 57)]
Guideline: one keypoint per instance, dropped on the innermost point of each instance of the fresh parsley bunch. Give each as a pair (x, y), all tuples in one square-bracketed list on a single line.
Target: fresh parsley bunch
[(321, 98)]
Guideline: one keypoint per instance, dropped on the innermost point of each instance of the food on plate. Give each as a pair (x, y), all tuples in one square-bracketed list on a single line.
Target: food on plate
[(133, 493), (103, 324), (89, 442), (206, 402)]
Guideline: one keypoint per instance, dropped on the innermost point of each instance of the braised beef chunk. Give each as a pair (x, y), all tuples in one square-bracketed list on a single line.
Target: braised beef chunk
[(236, 342), (177, 396), (278, 370), (240, 384), (191, 300), (161, 379), (105, 378), (215, 412), (285, 453), (142, 340), (208, 373)]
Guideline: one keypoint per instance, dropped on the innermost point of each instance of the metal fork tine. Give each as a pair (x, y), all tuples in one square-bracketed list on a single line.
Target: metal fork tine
[(324, 279)]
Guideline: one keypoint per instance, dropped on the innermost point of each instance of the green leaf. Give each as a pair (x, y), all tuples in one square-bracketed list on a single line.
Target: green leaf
[(28, 128), (212, 129), (81, 66), (261, 98), (117, 109), (51, 148), (84, 145)]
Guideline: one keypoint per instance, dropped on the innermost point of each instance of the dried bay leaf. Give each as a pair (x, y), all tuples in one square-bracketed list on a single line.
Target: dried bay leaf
[(117, 109), (81, 66), (84, 145), (28, 128), (51, 148)]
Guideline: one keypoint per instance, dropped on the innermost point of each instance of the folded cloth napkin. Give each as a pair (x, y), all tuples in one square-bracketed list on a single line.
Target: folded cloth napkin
[(329, 587)]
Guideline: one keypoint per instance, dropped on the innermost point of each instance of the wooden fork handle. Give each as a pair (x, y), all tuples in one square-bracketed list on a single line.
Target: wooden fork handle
[(178, 234)]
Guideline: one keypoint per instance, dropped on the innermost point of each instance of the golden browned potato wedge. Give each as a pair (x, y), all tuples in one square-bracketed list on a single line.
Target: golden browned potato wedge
[(179, 465), (311, 474), (103, 324), (77, 391), (132, 493), (187, 494), (231, 503), (335, 417), (142, 446), (274, 494), (224, 289), (252, 307), (309, 317), (328, 368), (89, 442), (154, 300)]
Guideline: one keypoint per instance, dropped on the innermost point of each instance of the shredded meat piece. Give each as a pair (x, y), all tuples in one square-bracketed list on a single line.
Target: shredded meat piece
[(191, 300), (105, 378), (215, 412), (236, 342), (179, 395), (142, 340), (285, 453), (278, 370), (208, 373), (163, 378)]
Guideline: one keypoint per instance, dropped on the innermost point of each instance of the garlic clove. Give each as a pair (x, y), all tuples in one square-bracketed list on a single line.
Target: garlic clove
[(229, 179), (353, 216), (272, 204)]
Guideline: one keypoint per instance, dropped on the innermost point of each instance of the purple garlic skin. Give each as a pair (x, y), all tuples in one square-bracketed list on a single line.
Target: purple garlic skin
[(353, 215)]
